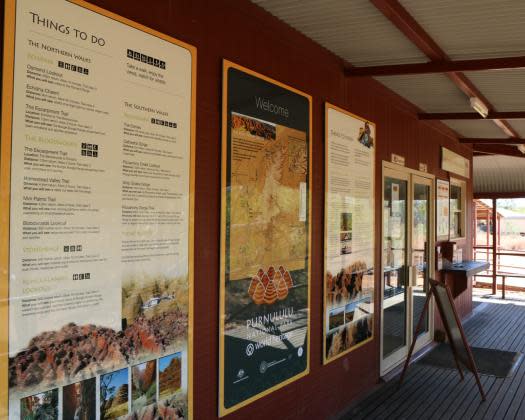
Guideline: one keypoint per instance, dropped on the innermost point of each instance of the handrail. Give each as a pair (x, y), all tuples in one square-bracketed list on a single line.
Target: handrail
[(503, 275), (502, 251), (503, 278)]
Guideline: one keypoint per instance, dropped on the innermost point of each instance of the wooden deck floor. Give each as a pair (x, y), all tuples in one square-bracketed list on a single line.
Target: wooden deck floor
[(433, 393)]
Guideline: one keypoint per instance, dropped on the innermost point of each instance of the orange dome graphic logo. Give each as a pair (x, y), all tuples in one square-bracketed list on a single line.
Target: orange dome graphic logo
[(270, 286)]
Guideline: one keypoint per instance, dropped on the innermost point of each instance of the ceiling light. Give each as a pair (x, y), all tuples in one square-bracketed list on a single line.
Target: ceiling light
[(521, 148), (479, 107)]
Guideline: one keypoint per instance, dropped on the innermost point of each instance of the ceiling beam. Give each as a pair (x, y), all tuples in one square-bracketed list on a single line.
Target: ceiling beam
[(476, 141), (506, 128), (399, 17), (513, 115), (498, 149), (438, 67)]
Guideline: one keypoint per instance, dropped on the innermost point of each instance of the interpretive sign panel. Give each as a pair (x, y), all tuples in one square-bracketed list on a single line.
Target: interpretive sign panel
[(442, 209), (265, 250), (349, 232), (455, 163), (97, 180)]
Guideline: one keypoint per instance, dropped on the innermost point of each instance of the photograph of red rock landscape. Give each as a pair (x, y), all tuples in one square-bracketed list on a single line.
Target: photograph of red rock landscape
[(79, 400), (154, 323), (169, 375), (143, 385), (114, 394)]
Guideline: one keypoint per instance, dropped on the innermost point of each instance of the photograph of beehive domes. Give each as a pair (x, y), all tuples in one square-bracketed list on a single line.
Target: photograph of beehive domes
[(349, 300), (170, 370), (114, 394)]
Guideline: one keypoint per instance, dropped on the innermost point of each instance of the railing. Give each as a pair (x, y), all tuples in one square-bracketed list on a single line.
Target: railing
[(504, 268)]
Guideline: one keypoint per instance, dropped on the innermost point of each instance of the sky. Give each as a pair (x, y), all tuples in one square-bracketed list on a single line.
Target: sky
[(516, 203), (165, 361), (120, 377)]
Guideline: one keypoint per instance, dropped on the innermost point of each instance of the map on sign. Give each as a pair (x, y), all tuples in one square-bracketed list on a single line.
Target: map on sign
[(268, 196)]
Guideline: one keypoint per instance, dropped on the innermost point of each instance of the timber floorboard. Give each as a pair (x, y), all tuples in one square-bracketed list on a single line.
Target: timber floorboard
[(433, 393)]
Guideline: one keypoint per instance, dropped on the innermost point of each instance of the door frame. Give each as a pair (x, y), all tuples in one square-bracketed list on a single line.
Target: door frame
[(409, 175), (424, 339)]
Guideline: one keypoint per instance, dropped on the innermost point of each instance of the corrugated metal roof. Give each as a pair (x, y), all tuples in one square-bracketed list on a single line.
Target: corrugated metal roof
[(468, 29), (476, 128), (505, 89), (496, 173), (357, 32), (509, 214), (519, 126), (430, 92), (352, 29)]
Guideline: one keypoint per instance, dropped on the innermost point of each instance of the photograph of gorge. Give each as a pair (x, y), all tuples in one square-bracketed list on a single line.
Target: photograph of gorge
[(43, 406), (143, 384), (79, 400)]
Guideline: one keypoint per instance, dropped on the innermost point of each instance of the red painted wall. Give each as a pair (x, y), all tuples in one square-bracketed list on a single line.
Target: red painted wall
[(242, 32)]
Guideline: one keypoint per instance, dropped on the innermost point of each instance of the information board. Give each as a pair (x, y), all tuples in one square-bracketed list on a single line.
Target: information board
[(349, 232), (265, 237), (442, 209), (98, 122), (455, 163)]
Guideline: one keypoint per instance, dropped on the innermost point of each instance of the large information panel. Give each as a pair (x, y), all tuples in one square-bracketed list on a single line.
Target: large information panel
[(265, 260), (349, 232), (99, 115)]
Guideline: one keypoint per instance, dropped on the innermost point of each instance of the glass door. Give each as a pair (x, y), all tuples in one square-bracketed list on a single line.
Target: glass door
[(422, 219), (395, 270), (407, 262)]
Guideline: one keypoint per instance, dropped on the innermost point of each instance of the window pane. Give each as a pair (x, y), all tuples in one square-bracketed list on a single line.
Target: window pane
[(456, 211)]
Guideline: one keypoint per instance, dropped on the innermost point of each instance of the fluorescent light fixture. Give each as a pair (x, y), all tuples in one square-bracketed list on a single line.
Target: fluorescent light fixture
[(479, 107), (521, 148)]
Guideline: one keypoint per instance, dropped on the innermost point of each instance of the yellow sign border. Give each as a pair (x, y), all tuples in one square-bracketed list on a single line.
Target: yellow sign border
[(226, 66), (329, 106), (5, 185)]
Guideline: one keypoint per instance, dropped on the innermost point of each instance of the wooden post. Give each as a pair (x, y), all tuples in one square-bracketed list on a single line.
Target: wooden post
[(494, 247), (487, 224), (498, 221), (503, 287)]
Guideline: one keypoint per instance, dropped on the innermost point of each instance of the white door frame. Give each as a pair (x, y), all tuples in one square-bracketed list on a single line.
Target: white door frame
[(408, 175)]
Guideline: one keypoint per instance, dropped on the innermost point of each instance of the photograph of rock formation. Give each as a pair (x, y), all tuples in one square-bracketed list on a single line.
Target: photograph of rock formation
[(169, 375), (154, 323), (79, 400), (114, 394), (143, 384), (173, 409), (43, 406), (254, 126), (147, 297)]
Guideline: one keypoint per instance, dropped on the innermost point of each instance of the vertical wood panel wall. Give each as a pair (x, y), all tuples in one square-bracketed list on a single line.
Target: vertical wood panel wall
[(242, 32)]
